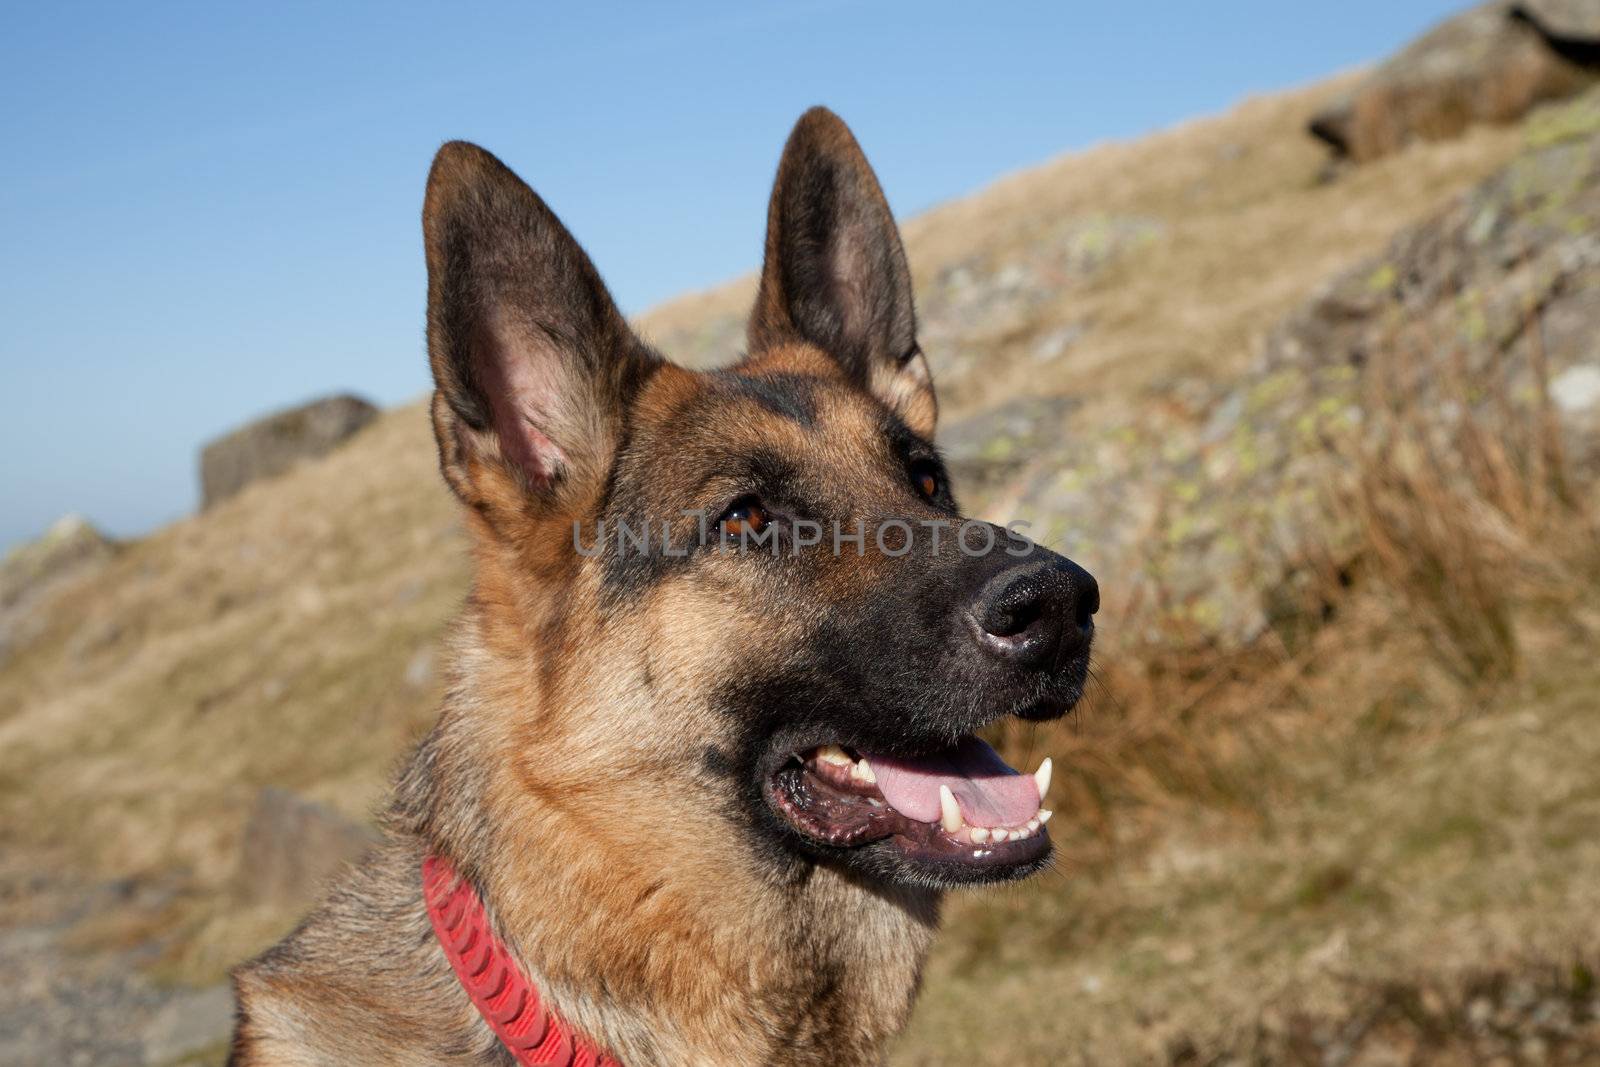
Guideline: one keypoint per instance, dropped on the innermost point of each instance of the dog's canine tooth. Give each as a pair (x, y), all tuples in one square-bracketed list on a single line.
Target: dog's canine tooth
[(949, 811), (861, 771), (833, 754), (1044, 815), (1041, 777)]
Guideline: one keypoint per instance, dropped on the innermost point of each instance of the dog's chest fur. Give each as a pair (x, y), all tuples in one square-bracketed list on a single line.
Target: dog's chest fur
[(363, 981)]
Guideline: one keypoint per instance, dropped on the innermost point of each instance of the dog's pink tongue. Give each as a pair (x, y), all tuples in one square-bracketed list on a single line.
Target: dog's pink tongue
[(988, 790)]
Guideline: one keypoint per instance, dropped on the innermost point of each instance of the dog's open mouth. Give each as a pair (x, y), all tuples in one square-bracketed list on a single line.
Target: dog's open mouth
[(963, 804)]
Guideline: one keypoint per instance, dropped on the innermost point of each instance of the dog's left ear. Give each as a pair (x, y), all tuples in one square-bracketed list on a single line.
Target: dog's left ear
[(835, 273)]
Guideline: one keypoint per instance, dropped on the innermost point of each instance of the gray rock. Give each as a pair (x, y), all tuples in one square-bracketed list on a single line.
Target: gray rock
[(292, 846), (1573, 23), (272, 445), (1491, 63), (970, 307), (984, 451)]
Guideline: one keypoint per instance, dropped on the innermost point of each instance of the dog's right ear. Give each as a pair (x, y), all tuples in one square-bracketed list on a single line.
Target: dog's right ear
[(533, 363)]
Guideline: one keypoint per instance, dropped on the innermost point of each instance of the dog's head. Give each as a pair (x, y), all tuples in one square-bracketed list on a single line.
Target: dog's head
[(738, 605)]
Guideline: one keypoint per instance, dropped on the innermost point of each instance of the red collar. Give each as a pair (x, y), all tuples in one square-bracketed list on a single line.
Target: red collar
[(505, 998)]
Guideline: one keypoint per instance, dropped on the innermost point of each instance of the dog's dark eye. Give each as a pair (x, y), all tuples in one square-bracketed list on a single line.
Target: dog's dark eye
[(745, 518), (925, 476)]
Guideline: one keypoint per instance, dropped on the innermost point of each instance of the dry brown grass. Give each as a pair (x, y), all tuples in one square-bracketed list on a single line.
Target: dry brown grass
[(1474, 523)]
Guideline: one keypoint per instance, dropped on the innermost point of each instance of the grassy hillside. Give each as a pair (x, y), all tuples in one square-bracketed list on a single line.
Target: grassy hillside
[(1304, 847)]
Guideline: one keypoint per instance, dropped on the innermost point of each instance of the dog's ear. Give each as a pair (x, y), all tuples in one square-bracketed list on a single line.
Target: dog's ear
[(835, 273), (532, 362)]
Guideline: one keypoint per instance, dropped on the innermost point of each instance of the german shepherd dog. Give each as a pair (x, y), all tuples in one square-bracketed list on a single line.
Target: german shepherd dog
[(710, 784)]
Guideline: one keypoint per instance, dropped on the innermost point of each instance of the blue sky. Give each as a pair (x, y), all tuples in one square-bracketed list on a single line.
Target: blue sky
[(211, 210)]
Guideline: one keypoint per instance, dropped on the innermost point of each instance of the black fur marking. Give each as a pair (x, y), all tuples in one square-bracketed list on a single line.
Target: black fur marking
[(789, 396), (897, 672), (718, 763)]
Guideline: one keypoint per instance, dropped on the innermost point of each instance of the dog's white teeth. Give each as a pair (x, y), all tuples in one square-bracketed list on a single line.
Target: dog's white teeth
[(999, 835), (861, 771), (1044, 815), (835, 755), (1041, 777), (949, 811)]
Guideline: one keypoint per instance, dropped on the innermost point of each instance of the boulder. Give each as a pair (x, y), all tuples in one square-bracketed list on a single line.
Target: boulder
[(1572, 27), (292, 846), (272, 445), (1491, 63)]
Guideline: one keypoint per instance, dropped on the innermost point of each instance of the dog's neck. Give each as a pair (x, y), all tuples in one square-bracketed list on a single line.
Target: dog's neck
[(665, 938)]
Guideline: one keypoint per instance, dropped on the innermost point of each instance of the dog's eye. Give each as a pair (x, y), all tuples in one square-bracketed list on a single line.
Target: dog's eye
[(925, 476), (747, 517)]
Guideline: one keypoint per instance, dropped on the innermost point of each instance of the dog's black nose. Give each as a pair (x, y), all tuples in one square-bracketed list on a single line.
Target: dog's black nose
[(1037, 613)]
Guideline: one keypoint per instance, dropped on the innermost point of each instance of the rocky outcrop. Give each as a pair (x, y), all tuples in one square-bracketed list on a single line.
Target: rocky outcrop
[(70, 544), (71, 548), (1215, 500), (987, 450), (1489, 64), (1502, 289), (1572, 27), (272, 445)]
